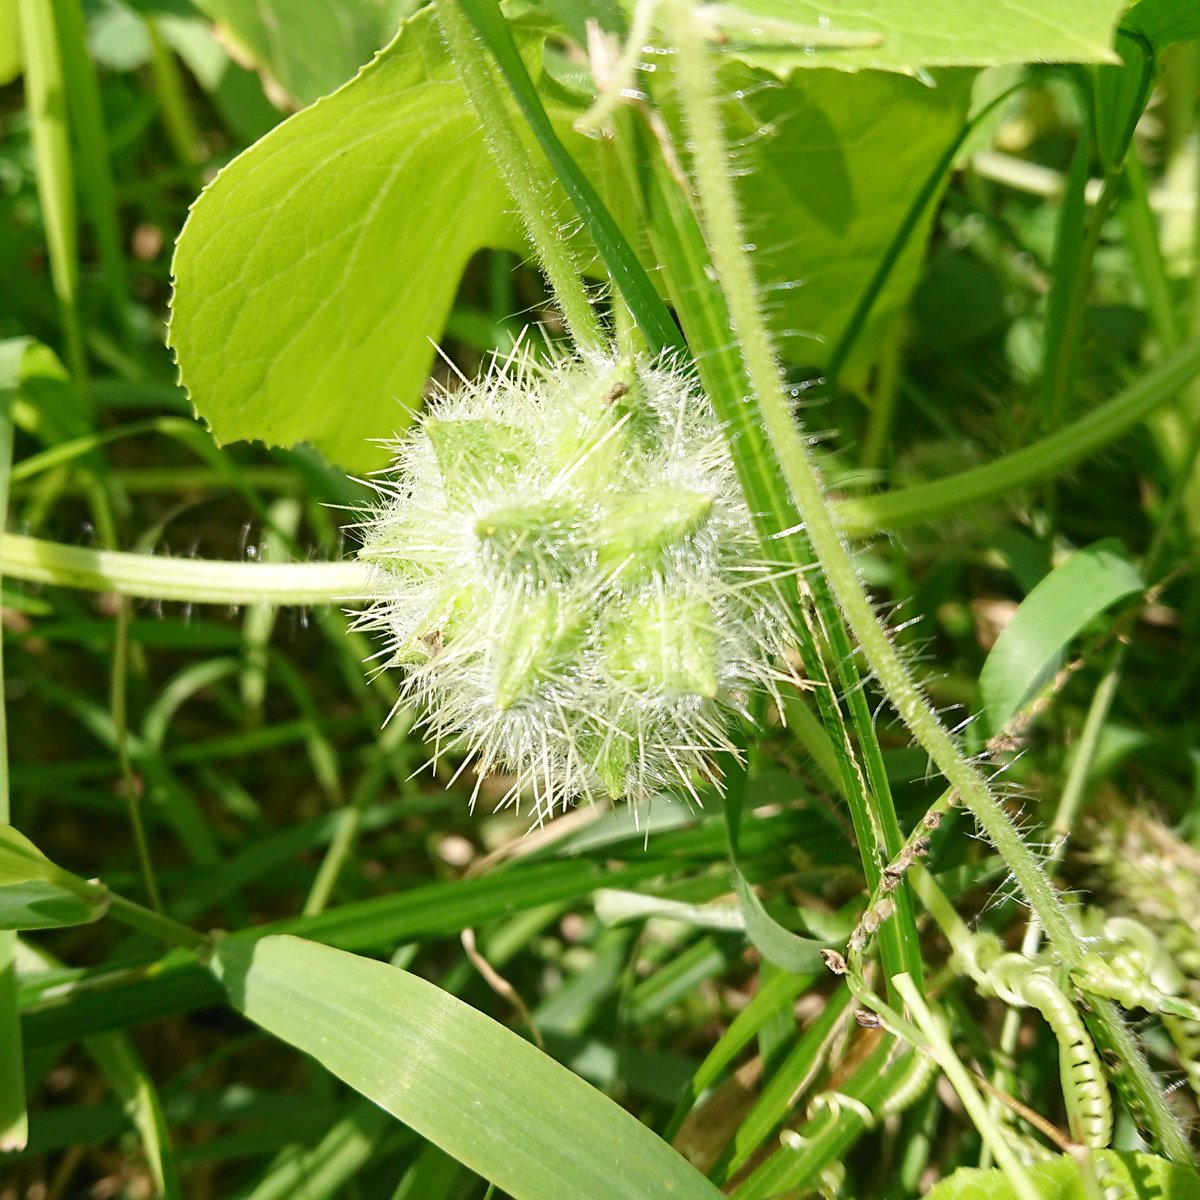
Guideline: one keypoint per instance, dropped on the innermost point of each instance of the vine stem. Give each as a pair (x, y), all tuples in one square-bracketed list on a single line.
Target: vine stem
[(960, 1079), (698, 91), (530, 186), (190, 580), (697, 87)]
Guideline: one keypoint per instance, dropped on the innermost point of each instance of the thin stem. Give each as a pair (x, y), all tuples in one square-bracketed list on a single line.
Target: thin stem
[(345, 835), (530, 185), (133, 800), (697, 88), (960, 1079), (163, 928), (173, 103), (189, 580)]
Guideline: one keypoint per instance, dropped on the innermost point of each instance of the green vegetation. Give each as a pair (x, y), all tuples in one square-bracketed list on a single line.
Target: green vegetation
[(880, 880)]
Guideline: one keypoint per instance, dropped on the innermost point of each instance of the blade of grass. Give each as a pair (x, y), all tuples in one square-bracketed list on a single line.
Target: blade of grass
[(322, 1170), (46, 100), (452, 1074), (91, 153), (772, 998), (781, 1093), (627, 273), (1045, 458), (679, 245), (834, 1127), (14, 1119)]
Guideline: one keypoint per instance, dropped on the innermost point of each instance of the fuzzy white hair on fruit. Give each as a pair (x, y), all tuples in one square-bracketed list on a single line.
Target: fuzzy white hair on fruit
[(570, 582)]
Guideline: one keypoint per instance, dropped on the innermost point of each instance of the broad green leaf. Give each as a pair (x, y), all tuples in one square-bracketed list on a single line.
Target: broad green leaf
[(910, 35), (1163, 22), (40, 904), (818, 211), (1090, 581), (461, 1080), (304, 48), (313, 271), (1132, 1176)]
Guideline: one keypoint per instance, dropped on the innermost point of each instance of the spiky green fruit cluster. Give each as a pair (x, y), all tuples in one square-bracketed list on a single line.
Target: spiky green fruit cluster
[(571, 582)]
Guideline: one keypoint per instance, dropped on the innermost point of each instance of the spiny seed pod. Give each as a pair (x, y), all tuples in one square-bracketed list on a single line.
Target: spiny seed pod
[(571, 582)]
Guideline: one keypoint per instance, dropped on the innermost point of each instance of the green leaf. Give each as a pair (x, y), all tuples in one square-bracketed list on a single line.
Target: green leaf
[(1090, 581), (304, 48), (31, 891), (20, 860), (462, 1081), (40, 904), (1163, 22), (787, 950), (324, 1169), (810, 165), (313, 271), (1135, 1176), (909, 35)]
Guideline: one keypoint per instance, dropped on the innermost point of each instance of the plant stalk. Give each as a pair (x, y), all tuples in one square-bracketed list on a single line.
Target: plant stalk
[(188, 580), (697, 87), (530, 185)]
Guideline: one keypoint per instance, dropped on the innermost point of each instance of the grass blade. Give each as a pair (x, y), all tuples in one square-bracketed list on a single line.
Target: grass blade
[(14, 1120), (644, 302), (1090, 581), (46, 98), (458, 1078)]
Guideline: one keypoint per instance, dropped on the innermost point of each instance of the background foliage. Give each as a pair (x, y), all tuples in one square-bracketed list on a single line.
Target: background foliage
[(448, 966)]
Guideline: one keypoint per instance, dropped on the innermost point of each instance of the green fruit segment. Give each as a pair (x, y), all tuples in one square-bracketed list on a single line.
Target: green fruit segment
[(441, 625), (537, 535), (610, 757), (665, 643), (474, 453), (543, 631), (636, 531)]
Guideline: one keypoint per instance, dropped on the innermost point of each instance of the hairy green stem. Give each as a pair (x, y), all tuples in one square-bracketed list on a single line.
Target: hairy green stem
[(531, 186), (697, 87), (190, 580), (679, 244)]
